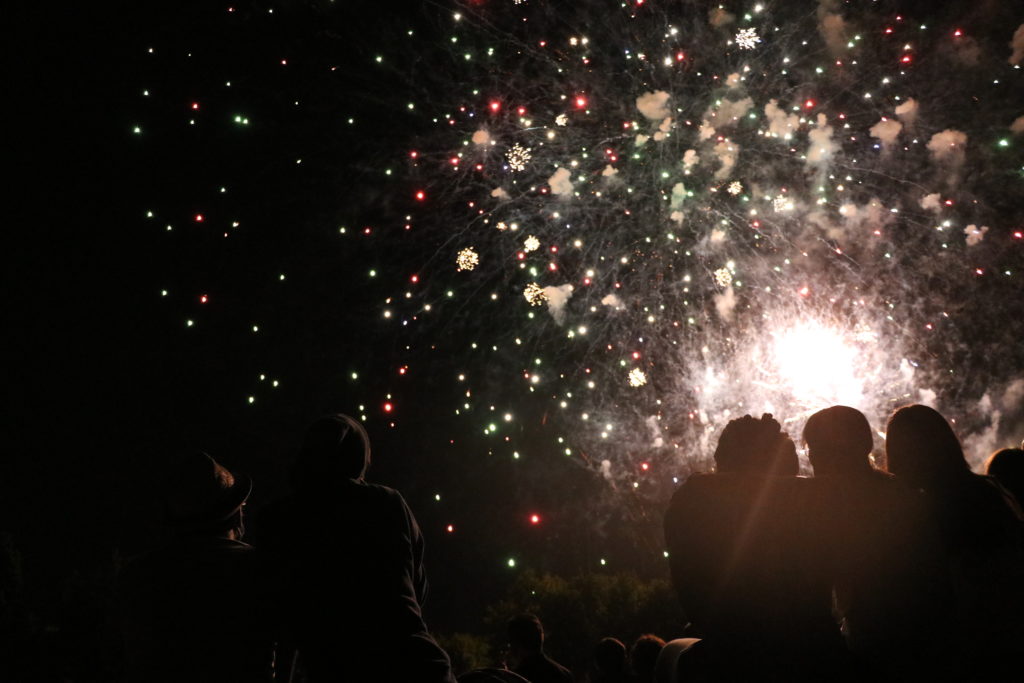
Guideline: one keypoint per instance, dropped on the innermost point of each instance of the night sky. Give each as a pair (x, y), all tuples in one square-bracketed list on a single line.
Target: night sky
[(232, 219)]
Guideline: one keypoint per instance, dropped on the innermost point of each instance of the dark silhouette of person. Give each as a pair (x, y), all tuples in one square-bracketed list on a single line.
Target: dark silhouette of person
[(1007, 467), (608, 664), (191, 609), (979, 529), (871, 529), (526, 655), (345, 562), (643, 657), (490, 675), (743, 560)]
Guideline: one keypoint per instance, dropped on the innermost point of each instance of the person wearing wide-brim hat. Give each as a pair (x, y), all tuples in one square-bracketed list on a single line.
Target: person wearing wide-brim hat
[(191, 609)]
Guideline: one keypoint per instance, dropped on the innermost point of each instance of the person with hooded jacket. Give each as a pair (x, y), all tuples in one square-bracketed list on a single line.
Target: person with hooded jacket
[(345, 567)]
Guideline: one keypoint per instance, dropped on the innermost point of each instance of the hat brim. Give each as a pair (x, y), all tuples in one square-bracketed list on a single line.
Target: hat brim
[(225, 506)]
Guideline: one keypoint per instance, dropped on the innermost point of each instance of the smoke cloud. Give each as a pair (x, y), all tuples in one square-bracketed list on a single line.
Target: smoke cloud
[(1017, 45), (780, 124), (932, 202), (822, 148), (975, 234), (560, 183), (691, 159), (718, 17), (725, 303), (886, 131), (727, 153), (948, 146), (907, 112), (730, 111), (612, 301), (653, 105), (557, 298), (831, 26)]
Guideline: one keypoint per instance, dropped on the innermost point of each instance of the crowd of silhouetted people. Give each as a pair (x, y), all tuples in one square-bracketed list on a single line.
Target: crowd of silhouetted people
[(857, 573)]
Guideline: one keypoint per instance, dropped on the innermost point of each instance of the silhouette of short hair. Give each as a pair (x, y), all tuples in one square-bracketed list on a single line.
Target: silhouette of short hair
[(334, 447), (526, 631), (921, 446), (838, 438), (755, 446), (643, 656), (610, 655), (1007, 467)]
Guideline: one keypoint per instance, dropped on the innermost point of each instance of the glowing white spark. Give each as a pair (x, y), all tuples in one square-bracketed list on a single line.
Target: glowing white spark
[(735, 187), (782, 203), (723, 277), (531, 243), (637, 378), (534, 294), (747, 38), (467, 259), (817, 365), (518, 157), (561, 119)]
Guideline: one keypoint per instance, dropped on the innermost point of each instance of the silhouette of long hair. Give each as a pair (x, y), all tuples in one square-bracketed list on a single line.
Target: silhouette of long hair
[(921, 446)]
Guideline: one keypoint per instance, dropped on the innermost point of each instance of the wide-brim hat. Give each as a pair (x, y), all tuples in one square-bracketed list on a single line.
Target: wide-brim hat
[(200, 490)]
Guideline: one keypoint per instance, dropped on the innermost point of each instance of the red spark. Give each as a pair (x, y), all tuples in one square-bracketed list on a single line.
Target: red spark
[(535, 519)]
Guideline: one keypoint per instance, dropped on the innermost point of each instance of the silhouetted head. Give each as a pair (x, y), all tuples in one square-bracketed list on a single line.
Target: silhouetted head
[(335, 447), (838, 440), (750, 445), (921, 447), (202, 497), (643, 657), (610, 657), (525, 633), (1007, 466)]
